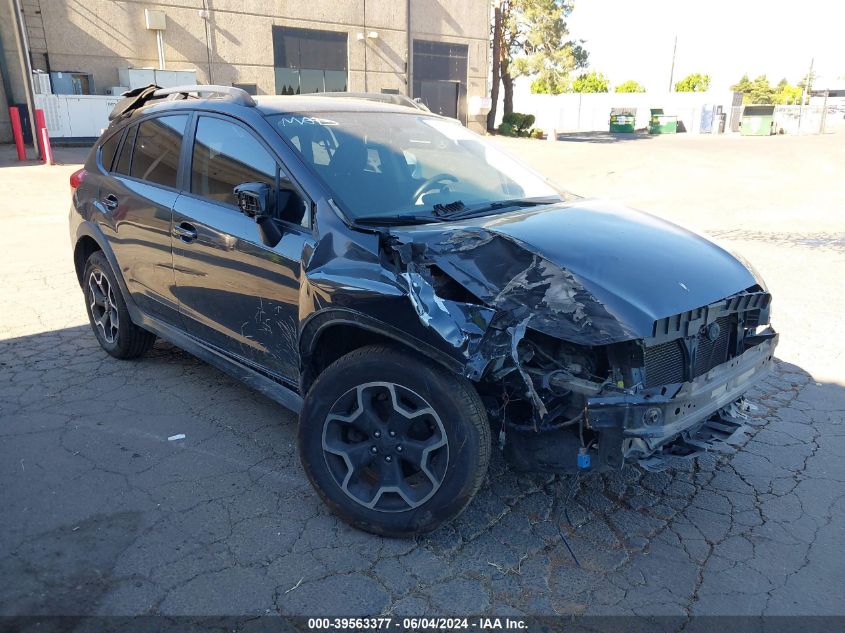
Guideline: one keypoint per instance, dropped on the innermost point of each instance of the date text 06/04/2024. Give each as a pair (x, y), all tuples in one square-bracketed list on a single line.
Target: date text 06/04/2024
[(418, 623)]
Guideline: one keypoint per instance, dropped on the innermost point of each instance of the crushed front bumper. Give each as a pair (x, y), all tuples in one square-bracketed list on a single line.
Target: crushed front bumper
[(635, 426)]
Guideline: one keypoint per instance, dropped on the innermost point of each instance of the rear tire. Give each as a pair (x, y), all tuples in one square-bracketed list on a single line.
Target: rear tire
[(393, 443), (108, 314)]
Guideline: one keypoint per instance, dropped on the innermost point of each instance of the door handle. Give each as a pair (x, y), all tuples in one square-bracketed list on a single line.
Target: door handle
[(185, 231), (110, 202)]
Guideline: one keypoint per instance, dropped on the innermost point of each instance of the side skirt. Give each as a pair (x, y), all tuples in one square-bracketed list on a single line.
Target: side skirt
[(286, 396)]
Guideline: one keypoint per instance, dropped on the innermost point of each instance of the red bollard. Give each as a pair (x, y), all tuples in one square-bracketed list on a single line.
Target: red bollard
[(17, 131), (46, 150), (40, 124)]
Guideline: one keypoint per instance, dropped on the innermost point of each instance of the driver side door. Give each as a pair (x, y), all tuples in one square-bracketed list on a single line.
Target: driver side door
[(235, 292)]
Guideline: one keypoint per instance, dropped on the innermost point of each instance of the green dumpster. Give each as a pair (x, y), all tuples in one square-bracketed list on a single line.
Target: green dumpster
[(757, 120), (622, 120), (660, 123)]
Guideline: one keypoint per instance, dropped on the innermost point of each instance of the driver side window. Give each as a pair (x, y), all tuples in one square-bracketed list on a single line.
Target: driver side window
[(226, 155)]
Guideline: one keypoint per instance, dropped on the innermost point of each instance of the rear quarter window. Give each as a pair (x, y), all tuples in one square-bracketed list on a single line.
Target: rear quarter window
[(108, 150), (122, 166), (157, 148)]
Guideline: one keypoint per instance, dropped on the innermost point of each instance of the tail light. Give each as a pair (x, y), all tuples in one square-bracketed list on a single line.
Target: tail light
[(77, 178)]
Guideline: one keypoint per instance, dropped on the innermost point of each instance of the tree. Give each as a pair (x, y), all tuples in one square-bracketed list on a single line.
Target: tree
[(760, 91), (547, 53), (630, 86), (696, 82), (785, 94), (591, 82), (757, 91), (743, 85), (530, 37), (497, 66), (539, 86)]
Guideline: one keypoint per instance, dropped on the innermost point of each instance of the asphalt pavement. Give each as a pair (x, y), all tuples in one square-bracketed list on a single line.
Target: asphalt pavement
[(102, 513)]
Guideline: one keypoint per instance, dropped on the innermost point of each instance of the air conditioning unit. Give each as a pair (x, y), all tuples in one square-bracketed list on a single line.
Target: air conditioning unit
[(136, 77), (116, 91), (41, 83)]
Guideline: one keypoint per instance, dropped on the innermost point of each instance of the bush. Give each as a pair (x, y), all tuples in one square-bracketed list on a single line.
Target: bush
[(506, 129), (521, 123), (537, 133)]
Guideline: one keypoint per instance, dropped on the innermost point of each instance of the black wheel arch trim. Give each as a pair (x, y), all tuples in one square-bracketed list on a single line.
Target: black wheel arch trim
[(318, 323), (87, 228)]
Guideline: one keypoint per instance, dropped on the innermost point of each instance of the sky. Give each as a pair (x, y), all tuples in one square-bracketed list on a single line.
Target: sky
[(633, 40)]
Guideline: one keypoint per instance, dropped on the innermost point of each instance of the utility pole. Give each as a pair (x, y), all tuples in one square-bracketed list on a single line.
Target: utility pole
[(26, 69), (824, 112), (672, 72), (805, 91)]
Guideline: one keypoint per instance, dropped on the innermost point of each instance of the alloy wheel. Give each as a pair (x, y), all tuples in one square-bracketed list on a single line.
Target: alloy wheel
[(385, 446), (103, 305)]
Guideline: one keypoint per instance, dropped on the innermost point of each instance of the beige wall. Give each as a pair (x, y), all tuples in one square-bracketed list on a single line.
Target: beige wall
[(7, 34), (100, 36)]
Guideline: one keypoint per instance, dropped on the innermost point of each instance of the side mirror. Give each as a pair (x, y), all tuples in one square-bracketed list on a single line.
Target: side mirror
[(256, 200)]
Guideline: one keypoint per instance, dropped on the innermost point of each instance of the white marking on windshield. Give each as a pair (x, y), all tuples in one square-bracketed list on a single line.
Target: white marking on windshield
[(305, 120)]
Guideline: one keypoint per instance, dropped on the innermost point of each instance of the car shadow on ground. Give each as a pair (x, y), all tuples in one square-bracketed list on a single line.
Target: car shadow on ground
[(107, 512), (603, 137)]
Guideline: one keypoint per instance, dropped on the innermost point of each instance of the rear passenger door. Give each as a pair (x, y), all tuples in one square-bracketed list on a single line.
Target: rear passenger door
[(137, 201), (235, 292)]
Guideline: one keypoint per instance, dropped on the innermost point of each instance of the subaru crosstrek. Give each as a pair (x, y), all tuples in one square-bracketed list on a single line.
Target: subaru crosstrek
[(416, 295)]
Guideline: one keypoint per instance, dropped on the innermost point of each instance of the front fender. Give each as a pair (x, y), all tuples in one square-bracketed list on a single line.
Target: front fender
[(319, 322)]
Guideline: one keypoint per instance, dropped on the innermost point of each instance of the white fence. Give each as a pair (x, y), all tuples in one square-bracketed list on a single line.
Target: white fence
[(574, 112), (795, 119), (813, 119)]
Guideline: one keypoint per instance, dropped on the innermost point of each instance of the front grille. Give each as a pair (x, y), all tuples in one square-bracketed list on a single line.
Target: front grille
[(664, 364), (713, 353)]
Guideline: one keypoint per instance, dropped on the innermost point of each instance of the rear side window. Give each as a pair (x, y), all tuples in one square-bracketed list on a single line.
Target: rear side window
[(123, 161), (108, 150), (225, 156), (157, 147)]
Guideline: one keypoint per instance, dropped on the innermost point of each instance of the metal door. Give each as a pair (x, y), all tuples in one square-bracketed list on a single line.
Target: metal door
[(441, 97)]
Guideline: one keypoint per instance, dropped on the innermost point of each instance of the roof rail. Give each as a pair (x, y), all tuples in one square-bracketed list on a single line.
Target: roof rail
[(236, 95), (383, 97)]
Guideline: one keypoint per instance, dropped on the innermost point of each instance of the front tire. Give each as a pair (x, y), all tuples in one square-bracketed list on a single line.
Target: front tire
[(108, 314), (393, 444)]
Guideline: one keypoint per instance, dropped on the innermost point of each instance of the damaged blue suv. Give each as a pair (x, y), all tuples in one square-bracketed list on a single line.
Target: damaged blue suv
[(412, 292)]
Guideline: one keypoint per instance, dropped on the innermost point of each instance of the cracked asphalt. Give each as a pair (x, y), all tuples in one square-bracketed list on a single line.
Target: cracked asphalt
[(103, 515)]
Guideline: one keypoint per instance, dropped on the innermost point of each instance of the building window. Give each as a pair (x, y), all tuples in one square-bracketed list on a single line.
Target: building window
[(440, 77), (250, 89), (308, 61)]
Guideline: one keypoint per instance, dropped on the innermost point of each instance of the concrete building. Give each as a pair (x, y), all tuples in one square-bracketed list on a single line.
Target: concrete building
[(436, 50)]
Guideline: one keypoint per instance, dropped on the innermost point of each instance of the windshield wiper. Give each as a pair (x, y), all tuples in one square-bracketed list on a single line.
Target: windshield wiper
[(449, 208), (499, 204), (451, 211), (394, 220)]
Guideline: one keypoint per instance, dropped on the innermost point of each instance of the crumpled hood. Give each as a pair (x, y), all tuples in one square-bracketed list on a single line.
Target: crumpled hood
[(591, 272)]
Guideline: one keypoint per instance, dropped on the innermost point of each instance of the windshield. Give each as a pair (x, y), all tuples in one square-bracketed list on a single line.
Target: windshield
[(393, 164)]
